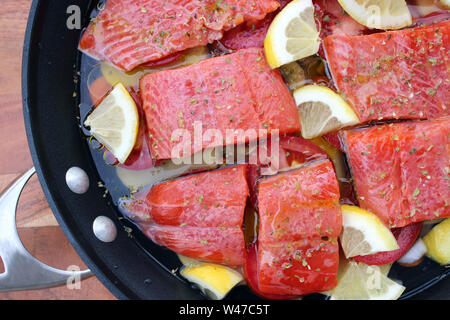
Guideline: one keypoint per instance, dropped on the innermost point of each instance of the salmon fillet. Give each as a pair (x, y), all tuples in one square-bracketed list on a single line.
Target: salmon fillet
[(401, 170), (229, 94), (393, 75), (128, 33), (300, 220), (199, 216)]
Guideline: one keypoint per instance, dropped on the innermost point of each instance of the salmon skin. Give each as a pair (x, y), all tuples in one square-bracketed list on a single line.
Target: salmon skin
[(231, 93), (300, 220), (199, 216), (393, 75), (128, 33), (401, 170)]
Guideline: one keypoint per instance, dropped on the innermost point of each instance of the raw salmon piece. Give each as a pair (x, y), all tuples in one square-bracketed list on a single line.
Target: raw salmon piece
[(299, 267), (300, 220), (401, 170), (299, 204), (128, 33), (214, 244), (227, 94), (393, 75), (210, 199), (199, 216)]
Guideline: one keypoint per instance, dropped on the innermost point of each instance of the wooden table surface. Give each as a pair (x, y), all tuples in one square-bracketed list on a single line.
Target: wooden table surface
[(36, 224)]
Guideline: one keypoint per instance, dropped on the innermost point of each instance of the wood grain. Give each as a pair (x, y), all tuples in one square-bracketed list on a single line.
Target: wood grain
[(37, 227)]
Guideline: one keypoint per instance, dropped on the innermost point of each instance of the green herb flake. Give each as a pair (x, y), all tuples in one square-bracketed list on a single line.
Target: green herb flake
[(304, 263), (286, 265)]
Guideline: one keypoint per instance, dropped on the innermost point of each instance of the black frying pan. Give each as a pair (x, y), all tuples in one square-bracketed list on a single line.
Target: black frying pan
[(130, 267)]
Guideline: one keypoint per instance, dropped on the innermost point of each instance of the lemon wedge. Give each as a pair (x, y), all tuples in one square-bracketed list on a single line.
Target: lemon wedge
[(292, 35), (363, 233), (322, 110), (437, 242), (214, 280), (379, 14), (358, 281), (114, 122)]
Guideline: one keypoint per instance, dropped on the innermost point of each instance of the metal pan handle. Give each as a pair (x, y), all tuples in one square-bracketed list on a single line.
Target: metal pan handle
[(22, 270)]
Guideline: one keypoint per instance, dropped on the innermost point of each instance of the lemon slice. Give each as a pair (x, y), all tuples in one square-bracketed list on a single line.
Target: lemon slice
[(379, 14), (214, 280), (292, 35), (114, 122), (444, 4), (188, 261), (322, 110), (363, 233), (358, 281), (437, 242)]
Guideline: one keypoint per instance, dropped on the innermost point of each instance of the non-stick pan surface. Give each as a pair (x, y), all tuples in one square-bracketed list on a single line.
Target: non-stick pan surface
[(126, 266)]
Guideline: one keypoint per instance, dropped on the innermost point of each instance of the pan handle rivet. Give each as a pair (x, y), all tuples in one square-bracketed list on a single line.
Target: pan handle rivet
[(77, 180), (104, 229)]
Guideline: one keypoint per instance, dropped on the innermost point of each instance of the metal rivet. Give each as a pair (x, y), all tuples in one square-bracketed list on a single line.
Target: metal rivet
[(77, 180), (104, 229)]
